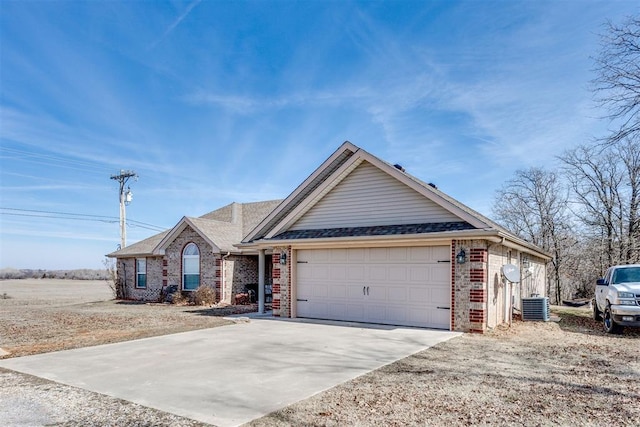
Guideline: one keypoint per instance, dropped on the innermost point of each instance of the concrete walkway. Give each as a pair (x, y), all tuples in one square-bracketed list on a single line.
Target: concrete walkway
[(233, 374)]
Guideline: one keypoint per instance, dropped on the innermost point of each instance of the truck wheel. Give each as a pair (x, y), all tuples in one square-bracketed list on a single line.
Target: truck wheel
[(610, 326), (597, 315)]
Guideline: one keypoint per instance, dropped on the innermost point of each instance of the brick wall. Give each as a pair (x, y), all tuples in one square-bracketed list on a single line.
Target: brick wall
[(210, 262), (469, 286), (127, 270), (281, 277), (239, 271)]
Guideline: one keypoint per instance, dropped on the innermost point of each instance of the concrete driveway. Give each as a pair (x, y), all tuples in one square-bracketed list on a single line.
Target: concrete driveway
[(233, 374)]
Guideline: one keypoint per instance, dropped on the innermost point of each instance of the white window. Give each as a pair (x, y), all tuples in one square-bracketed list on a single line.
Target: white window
[(190, 267), (141, 273)]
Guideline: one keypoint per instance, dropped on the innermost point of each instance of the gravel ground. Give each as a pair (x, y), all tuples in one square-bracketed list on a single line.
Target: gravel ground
[(567, 373), (556, 373), (26, 400)]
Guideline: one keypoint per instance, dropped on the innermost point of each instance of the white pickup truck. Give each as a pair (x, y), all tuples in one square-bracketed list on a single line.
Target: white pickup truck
[(617, 301)]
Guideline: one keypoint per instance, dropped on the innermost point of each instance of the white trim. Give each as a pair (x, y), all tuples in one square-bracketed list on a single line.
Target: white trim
[(183, 257), (346, 146), (139, 274), (404, 240), (314, 197), (342, 172), (175, 232)]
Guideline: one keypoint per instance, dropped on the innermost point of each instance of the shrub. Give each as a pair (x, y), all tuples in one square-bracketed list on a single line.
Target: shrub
[(178, 298), (204, 295), (113, 281)]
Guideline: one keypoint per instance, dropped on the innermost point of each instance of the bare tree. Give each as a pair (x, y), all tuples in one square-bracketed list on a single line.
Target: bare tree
[(605, 184), (617, 85), (533, 206)]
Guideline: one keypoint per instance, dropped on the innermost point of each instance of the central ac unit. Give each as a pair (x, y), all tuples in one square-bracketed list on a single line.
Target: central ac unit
[(536, 309)]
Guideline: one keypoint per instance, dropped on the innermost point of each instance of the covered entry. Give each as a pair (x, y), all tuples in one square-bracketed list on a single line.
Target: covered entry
[(409, 286)]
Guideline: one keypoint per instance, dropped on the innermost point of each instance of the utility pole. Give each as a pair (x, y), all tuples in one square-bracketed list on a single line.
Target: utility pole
[(125, 199)]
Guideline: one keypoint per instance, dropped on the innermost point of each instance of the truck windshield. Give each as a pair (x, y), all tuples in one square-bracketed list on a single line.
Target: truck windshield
[(626, 275)]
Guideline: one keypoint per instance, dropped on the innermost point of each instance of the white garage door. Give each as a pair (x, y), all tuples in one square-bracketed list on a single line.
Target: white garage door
[(396, 286)]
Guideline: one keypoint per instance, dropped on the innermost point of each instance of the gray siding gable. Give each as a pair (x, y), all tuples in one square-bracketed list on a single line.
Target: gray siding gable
[(369, 196)]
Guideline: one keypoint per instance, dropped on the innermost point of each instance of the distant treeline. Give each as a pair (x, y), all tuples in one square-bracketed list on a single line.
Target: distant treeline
[(79, 274)]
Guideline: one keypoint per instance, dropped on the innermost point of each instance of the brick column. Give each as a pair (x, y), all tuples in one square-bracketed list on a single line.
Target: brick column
[(478, 257), (281, 275), (469, 287)]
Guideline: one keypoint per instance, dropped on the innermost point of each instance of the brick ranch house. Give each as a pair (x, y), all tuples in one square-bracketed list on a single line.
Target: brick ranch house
[(359, 240)]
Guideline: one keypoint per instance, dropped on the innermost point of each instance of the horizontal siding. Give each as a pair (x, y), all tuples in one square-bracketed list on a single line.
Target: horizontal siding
[(369, 196)]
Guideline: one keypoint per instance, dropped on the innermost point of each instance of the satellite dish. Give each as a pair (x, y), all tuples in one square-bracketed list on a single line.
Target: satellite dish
[(511, 272)]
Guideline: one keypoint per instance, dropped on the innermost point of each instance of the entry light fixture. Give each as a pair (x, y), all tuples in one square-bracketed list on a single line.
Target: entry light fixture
[(283, 258), (461, 258), (525, 261)]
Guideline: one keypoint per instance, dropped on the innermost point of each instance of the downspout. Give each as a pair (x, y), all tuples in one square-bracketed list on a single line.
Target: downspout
[(223, 274), (124, 281)]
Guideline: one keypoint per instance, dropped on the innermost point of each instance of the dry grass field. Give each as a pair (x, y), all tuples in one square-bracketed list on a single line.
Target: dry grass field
[(566, 372), (42, 315)]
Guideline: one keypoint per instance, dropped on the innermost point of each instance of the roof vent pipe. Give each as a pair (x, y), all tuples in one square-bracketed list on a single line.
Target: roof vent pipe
[(432, 185), (399, 167)]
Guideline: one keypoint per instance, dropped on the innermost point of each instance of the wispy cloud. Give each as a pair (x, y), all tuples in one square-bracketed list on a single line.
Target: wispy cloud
[(175, 23)]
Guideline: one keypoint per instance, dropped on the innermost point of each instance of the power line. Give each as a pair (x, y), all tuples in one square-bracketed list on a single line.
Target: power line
[(75, 216), (40, 158)]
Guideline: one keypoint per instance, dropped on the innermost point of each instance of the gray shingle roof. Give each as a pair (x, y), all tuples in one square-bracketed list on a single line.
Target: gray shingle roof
[(143, 247), (224, 227), (378, 230)]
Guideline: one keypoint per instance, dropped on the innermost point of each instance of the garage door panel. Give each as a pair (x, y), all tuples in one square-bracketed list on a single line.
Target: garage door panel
[(417, 316), (338, 273), (419, 274), (355, 273), (398, 273), (440, 253), (397, 286), (377, 273), (336, 310), (338, 291), (320, 290), (319, 255), (397, 254), (319, 273), (376, 313), (338, 255), (354, 312), (419, 295), (440, 296), (440, 317), (419, 254), (439, 275), (304, 272), (396, 314), (356, 292), (397, 294), (356, 255), (378, 254), (376, 294), (315, 309)]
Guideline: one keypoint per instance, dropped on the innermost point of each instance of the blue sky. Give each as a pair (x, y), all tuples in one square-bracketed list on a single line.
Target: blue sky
[(218, 101)]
